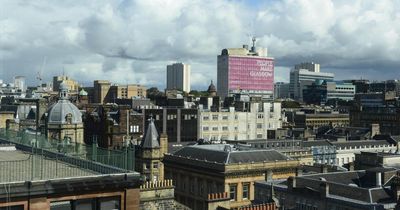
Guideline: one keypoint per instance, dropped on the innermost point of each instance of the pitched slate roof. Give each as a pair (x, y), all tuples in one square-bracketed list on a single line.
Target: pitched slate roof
[(227, 154), (150, 139)]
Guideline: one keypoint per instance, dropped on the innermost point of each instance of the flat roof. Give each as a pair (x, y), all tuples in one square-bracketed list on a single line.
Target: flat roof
[(22, 166)]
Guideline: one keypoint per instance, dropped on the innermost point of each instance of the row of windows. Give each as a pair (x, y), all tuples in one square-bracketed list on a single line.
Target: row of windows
[(148, 165), (88, 204), (174, 116), (245, 191), (224, 128), (277, 144), (215, 117)]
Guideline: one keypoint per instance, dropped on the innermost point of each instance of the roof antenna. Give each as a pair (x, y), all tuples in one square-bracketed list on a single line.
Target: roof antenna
[(253, 48)]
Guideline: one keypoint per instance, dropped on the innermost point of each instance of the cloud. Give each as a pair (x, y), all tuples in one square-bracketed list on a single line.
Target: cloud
[(133, 40)]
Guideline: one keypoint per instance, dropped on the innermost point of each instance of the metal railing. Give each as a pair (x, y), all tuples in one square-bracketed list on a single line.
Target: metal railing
[(53, 159)]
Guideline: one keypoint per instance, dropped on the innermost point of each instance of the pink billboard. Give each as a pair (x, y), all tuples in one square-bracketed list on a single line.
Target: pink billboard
[(248, 73)]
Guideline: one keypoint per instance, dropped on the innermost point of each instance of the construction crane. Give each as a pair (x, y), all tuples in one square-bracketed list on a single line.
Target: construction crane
[(39, 76)]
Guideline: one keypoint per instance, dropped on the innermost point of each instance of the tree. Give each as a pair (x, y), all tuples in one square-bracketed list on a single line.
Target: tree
[(197, 93), (153, 93)]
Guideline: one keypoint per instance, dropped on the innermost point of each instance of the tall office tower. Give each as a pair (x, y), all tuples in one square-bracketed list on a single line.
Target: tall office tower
[(19, 83), (72, 85), (178, 76), (244, 70), (304, 75)]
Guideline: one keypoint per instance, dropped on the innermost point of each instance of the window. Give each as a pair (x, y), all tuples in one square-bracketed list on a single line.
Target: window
[(155, 165), (215, 128), (225, 117), (225, 128), (259, 136), (19, 207), (245, 193), (259, 125), (232, 191), (206, 118), (192, 187), (205, 128), (60, 205), (85, 204), (108, 203), (147, 166), (105, 203), (201, 189), (215, 117), (134, 128)]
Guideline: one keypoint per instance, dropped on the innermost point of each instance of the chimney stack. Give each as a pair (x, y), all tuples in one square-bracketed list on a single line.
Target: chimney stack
[(378, 179)]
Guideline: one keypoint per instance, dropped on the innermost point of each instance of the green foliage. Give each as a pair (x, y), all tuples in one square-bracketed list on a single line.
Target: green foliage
[(153, 93), (197, 93)]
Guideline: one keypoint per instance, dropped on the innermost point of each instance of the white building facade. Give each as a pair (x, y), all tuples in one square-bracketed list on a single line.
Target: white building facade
[(178, 76), (234, 125)]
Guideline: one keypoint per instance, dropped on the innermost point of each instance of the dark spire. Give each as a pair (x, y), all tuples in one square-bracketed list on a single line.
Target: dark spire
[(150, 140)]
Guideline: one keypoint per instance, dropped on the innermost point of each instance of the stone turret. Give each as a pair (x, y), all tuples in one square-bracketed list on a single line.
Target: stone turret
[(212, 91), (151, 152)]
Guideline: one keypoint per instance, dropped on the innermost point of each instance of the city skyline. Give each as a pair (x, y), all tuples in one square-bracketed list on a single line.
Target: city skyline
[(133, 41)]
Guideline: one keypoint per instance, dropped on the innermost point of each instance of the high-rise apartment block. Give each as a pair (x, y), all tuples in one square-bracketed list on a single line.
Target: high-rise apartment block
[(244, 70), (303, 75), (72, 85), (178, 76), (105, 92)]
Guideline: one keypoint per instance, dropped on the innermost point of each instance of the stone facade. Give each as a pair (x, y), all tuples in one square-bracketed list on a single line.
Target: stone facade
[(196, 176), (159, 195), (150, 153)]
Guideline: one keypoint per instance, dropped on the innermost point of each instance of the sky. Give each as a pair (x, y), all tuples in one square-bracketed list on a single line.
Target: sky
[(132, 41)]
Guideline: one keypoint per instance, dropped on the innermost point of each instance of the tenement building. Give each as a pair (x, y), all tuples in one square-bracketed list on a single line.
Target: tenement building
[(105, 92), (220, 168), (180, 124)]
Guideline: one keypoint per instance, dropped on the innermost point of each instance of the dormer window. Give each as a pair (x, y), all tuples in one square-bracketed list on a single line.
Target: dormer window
[(68, 118)]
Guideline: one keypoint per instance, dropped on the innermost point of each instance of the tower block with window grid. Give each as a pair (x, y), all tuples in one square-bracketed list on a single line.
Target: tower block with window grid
[(150, 153)]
